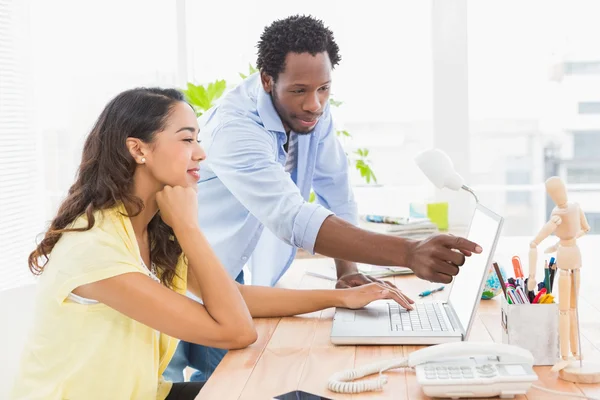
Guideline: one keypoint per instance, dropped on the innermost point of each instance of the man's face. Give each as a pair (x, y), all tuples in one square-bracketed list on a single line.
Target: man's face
[(301, 91)]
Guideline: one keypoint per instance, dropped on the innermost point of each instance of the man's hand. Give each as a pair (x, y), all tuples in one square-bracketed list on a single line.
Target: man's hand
[(435, 259)]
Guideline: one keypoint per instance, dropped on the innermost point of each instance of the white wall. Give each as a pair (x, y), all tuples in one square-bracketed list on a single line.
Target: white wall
[(16, 313)]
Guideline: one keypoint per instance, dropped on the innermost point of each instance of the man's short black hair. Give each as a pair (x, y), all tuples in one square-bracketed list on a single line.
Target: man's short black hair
[(296, 34)]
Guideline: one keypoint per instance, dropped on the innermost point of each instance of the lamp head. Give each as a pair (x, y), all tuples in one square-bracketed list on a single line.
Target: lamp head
[(439, 169)]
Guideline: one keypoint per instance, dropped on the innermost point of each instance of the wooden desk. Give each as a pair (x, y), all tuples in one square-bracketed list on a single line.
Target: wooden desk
[(295, 353)]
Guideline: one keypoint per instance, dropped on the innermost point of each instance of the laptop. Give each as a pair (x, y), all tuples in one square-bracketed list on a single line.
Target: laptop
[(386, 322)]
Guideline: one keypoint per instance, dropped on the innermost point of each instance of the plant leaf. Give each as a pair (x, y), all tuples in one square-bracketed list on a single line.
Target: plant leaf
[(220, 85), (312, 197), (197, 96), (334, 102), (373, 176)]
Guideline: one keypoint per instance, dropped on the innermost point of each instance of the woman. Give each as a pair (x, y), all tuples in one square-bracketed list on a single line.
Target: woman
[(119, 256)]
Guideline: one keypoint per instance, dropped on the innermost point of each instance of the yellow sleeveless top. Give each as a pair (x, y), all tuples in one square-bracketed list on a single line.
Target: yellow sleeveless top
[(90, 351)]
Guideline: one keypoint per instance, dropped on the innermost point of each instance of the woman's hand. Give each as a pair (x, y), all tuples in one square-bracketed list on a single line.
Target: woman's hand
[(178, 205), (360, 296)]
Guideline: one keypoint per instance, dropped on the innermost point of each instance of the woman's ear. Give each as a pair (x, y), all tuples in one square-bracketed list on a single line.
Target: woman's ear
[(136, 149)]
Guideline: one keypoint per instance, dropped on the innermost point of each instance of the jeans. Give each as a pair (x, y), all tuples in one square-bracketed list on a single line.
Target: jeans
[(203, 359)]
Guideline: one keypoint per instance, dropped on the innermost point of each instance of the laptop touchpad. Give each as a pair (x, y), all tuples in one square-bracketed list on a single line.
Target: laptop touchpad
[(369, 315)]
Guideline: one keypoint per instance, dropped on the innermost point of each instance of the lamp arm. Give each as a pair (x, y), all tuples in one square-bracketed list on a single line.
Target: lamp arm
[(468, 189)]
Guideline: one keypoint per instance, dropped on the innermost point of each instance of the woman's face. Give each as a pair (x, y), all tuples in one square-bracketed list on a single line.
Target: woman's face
[(174, 155)]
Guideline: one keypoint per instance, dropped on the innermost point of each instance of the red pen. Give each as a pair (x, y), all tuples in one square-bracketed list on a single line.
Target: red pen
[(516, 262)]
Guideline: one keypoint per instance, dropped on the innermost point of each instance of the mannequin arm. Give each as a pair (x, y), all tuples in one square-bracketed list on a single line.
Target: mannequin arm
[(585, 227), (546, 231)]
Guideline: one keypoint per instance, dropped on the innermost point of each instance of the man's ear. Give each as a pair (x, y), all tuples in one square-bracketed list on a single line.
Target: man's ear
[(267, 81), (137, 149)]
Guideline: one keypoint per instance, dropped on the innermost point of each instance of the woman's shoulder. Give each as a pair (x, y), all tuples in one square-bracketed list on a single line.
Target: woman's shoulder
[(110, 234)]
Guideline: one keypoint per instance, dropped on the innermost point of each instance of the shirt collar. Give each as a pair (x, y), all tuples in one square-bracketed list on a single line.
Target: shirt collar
[(266, 111)]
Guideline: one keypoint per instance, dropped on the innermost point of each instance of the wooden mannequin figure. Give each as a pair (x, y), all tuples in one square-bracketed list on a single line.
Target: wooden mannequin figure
[(568, 223)]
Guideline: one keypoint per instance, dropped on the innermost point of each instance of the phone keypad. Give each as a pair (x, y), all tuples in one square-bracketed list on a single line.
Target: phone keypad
[(451, 372)]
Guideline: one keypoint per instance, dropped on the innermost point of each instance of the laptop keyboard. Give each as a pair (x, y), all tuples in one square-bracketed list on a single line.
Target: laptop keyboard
[(423, 317)]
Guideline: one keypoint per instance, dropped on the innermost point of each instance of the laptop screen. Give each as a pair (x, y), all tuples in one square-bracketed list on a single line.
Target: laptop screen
[(468, 284)]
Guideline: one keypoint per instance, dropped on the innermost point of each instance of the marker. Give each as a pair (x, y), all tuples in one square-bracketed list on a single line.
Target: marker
[(428, 292), (516, 262), (521, 294), (513, 296)]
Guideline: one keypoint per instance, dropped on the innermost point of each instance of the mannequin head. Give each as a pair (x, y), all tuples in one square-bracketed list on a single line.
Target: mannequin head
[(555, 187)]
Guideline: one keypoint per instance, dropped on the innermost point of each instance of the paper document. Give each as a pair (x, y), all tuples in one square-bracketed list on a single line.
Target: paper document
[(375, 271)]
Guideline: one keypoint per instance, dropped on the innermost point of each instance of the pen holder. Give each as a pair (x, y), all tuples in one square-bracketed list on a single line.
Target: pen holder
[(533, 327)]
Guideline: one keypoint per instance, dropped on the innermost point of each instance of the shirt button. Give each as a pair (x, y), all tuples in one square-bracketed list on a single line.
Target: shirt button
[(244, 258)]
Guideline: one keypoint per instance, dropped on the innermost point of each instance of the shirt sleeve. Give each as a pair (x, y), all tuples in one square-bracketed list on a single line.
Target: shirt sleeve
[(87, 257), (331, 180), (243, 156)]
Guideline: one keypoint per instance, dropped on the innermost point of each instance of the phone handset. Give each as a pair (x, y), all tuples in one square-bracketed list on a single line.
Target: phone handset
[(504, 352), (341, 381)]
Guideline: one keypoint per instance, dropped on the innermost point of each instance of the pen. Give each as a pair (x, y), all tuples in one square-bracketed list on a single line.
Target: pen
[(502, 284), (547, 278), (428, 292), (322, 276)]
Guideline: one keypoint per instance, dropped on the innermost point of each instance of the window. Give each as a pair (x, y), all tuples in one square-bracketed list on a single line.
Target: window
[(384, 79), (525, 125), (582, 68), (586, 144), (19, 181), (589, 107), (56, 74)]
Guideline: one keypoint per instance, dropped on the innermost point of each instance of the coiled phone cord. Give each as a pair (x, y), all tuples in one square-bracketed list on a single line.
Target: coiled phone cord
[(340, 382)]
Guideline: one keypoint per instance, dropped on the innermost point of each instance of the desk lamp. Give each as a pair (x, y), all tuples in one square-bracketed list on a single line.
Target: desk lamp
[(439, 169)]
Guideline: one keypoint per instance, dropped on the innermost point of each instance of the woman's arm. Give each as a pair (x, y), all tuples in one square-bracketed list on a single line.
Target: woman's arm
[(144, 300), (265, 301), (223, 321)]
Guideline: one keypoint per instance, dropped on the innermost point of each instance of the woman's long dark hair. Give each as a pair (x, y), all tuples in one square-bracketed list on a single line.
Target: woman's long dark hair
[(105, 175)]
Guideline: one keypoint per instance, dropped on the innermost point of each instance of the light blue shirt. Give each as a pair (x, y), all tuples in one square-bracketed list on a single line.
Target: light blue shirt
[(243, 185)]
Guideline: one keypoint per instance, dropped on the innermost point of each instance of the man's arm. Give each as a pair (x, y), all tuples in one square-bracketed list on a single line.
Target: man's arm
[(432, 259), (242, 155), (331, 184), (243, 159)]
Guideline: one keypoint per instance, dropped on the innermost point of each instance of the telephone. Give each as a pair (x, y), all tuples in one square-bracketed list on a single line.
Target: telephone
[(453, 370)]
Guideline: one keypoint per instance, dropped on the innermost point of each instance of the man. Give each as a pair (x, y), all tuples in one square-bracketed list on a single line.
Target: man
[(270, 141)]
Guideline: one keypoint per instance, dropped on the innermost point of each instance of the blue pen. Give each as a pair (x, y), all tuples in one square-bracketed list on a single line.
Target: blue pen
[(428, 292)]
